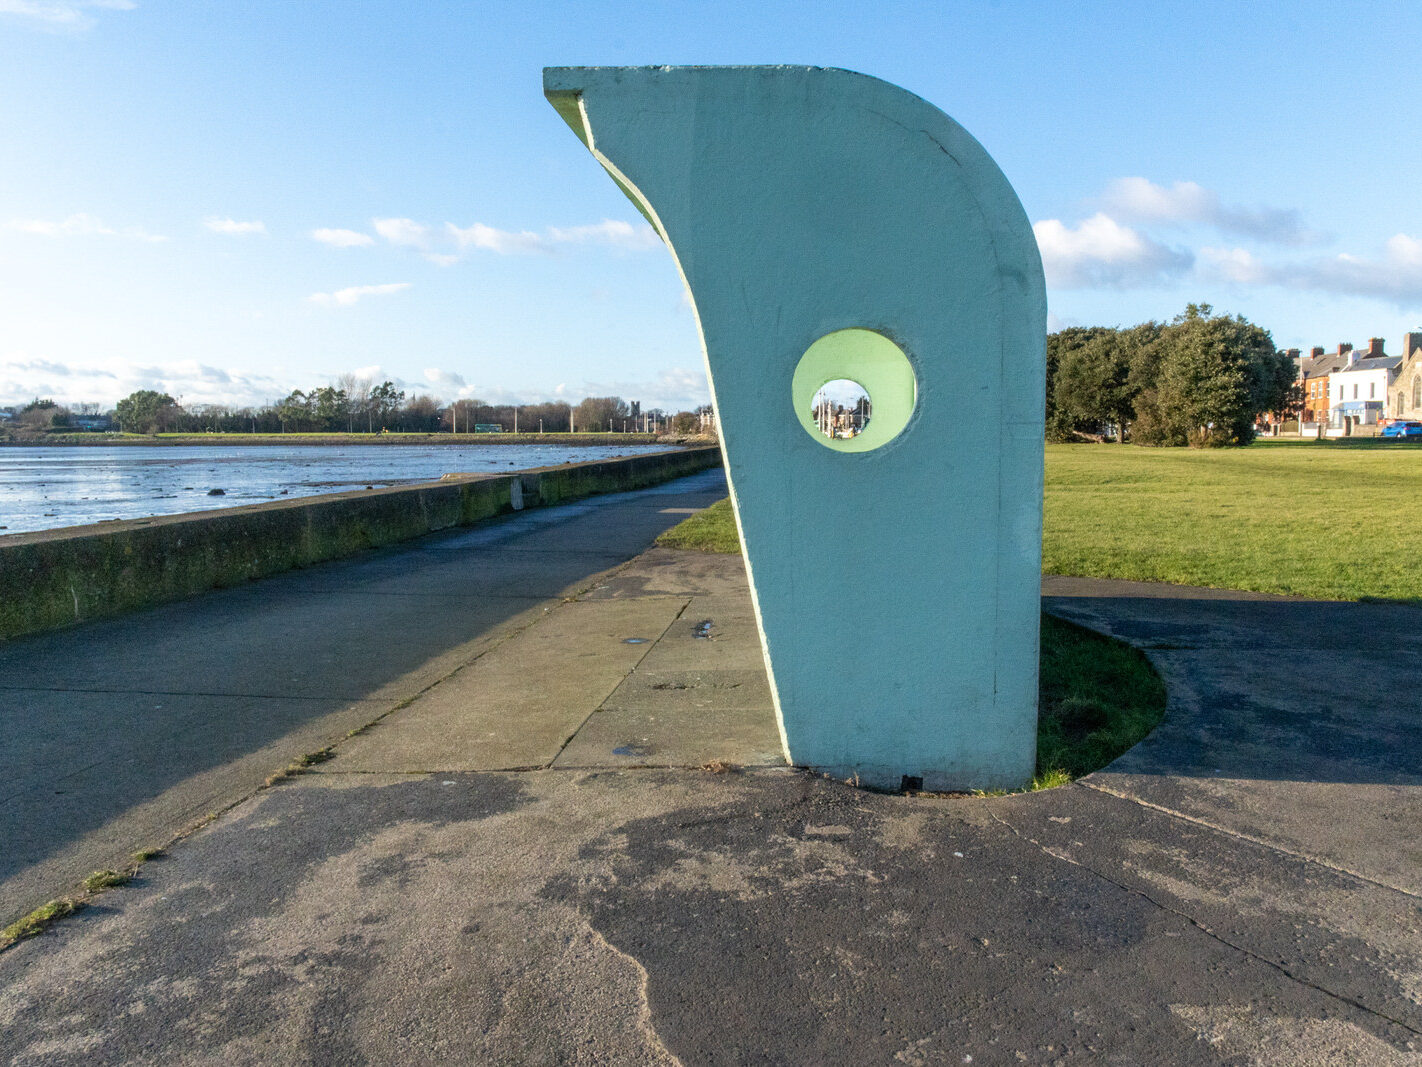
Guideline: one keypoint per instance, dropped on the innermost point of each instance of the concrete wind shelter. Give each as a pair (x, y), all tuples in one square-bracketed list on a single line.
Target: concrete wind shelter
[(832, 227)]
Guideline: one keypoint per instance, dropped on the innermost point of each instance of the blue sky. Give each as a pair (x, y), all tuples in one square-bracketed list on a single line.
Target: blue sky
[(230, 200)]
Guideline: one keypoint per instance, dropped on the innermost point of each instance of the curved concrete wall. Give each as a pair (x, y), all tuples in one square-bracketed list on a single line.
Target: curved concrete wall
[(59, 577)]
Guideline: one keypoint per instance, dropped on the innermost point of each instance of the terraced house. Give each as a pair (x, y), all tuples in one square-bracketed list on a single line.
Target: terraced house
[(1315, 370)]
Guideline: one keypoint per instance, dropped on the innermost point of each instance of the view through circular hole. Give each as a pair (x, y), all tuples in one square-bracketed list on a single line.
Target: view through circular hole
[(841, 409)]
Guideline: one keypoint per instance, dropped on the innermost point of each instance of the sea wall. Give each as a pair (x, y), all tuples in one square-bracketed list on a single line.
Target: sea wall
[(56, 578)]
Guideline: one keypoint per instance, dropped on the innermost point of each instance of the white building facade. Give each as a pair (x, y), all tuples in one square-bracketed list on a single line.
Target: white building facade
[(1360, 392)]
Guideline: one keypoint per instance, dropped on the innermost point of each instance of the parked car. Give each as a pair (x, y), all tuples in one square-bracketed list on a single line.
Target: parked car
[(1403, 429)]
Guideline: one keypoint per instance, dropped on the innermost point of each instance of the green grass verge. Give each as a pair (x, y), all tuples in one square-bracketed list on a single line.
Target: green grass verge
[(1098, 696), (711, 530), (1334, 520)]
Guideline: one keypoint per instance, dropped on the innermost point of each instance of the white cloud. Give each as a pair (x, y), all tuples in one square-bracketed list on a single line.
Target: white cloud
[(233, 228), (342, 238), (1141, 200), (504, 242), (355, 293), (80, 225), (612, 232), (676, 389), (62, 14), (445, 245), (1101, 253), (447, 383), (402, 232), (23, 377), (1394, 276)]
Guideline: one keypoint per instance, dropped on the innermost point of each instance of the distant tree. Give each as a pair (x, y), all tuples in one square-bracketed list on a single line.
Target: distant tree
[(1063, 425), (385, 402), (330, 408), (1211, 378), (146, 411), (420, 415), (294, 412), (1095, 387), (358, 409), (40, 415), (599, 414), (685, 422)]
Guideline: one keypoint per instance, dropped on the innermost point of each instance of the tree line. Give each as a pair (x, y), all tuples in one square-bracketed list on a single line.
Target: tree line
[(353, 405), (1202, 380)]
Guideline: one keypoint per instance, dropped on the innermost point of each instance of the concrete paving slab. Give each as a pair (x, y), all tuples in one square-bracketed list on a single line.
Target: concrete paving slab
[(517, 706), (668, 571), (686, 692), (680, 734)]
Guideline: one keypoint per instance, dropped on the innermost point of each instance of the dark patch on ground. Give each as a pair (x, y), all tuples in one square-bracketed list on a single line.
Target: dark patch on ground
[(809, 923)]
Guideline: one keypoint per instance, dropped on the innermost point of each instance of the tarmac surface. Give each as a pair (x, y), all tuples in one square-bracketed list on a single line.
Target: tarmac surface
[(522, 859)]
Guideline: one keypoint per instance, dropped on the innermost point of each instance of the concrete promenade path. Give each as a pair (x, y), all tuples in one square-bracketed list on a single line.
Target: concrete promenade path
[(534, 857)]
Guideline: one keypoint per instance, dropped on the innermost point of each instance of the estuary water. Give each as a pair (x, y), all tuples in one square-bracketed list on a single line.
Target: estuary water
[(47, 488)]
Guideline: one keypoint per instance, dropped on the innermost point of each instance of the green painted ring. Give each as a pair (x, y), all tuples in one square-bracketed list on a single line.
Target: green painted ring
[(877, 364)]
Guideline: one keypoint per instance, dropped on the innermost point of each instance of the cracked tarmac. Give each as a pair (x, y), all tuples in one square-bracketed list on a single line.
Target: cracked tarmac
[(1245, 886)]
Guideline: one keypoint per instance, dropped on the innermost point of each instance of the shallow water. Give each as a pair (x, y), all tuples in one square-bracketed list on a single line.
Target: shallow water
[(47, 488)]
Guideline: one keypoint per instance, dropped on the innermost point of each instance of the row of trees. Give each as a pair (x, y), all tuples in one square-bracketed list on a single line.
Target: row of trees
[(1202, 380), (354, 405)]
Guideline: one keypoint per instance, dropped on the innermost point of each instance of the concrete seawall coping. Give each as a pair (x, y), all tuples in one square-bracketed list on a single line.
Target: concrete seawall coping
[(55, 578)]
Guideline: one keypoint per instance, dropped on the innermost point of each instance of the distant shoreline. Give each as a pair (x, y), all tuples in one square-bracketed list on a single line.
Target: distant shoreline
[(100, 440)]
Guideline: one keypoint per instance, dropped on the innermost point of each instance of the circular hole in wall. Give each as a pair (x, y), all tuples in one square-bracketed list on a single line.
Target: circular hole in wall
[(854, 390), (841, 409)]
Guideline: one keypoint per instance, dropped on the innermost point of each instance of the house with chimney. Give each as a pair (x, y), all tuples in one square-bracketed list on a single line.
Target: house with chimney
[(1360, 391), (1407, 387), (1315, 370)]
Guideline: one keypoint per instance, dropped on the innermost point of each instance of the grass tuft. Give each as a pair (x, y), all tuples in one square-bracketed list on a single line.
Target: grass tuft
[(36, 921), (101, 880)]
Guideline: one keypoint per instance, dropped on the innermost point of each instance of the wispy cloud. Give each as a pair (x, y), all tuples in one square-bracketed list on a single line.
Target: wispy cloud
[(343, 238), (233, 228), (354, 294), (1141, 200), (81, 225), (403, 232), (1394, 276), (61, 14), (1102, 253), (447, 244), (504, 242), (611, 232)]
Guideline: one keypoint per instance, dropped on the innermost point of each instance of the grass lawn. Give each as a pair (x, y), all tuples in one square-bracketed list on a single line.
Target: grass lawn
[(1333, 520), (1098, 696)]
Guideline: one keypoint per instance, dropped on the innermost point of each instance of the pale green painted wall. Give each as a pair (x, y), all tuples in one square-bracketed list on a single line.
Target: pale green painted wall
[(896, 587)]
